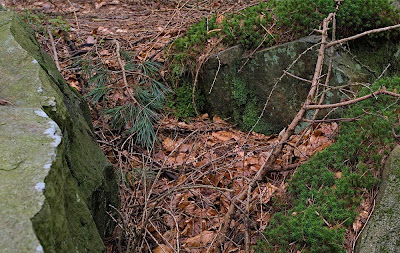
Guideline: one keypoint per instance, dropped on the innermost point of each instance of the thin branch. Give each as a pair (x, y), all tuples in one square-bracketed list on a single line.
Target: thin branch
[(53, 47), (297, 77), (216, 74), (333, 43), (353, 101), (122, 66), (268, 164)]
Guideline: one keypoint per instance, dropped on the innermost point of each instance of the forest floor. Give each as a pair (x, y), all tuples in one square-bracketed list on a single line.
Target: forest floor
[(174, 196)]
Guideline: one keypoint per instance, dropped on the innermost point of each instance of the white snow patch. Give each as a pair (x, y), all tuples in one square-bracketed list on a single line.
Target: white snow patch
[(40, 186), (41, 113), (39, 248), (40, 89), (54, 132), (34, 61), (47, 166)]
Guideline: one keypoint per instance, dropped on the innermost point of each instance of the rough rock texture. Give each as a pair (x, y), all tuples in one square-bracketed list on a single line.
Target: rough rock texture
[(55, 183), (241, 96), (382, 232)]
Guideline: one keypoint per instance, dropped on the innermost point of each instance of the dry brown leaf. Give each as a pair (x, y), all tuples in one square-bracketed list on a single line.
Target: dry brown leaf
[(200, 240), (219, 19), (338, 174), (223, 135), (357, 225), (168, 144), (162, 248)]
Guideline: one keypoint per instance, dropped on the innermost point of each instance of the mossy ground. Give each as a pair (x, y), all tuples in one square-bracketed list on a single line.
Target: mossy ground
[(270, 23), (318, 196)]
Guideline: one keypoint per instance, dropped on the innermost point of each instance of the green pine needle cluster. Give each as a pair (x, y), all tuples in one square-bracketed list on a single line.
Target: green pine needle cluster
[(318, 196), (137, 119)]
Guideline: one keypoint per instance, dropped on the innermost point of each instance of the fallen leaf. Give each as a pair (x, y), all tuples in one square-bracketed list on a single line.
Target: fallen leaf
[(168, 144), (357, 225), (219, 19), (162, 248), (223, 135), (200, 240)]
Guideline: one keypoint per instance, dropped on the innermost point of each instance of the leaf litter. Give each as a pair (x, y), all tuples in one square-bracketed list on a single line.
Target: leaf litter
[(191, 176), (201, 166)]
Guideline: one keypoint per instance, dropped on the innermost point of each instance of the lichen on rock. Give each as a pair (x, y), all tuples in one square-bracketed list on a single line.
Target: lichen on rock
[(260, 73)]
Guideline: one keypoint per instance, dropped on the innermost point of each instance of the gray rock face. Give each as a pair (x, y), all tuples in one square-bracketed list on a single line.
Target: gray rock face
[(382, 232), (241, 96), (55, 183)]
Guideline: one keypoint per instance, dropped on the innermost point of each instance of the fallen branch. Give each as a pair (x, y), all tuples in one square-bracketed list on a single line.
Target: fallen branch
[(268, 164), (353, 101), (53, 47), (122, 66), (378, 30)]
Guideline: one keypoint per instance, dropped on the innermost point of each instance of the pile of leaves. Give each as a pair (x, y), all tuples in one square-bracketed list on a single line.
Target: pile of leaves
[(178, 194)]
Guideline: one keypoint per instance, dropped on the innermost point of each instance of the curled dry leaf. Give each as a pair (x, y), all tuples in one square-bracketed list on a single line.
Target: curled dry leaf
[(162, 248), (223, 135), (168, 144), (200, 240), (357, 225)]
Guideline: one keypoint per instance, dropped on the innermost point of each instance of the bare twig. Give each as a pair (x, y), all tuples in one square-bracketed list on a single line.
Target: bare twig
[(353, 101), (268, 164), (53, 47), (122, 66), (216, 74), (336, 42)]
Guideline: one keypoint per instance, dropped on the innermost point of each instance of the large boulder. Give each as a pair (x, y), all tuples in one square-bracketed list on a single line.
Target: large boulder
[(56, 186), (382, 232), (237, 85)]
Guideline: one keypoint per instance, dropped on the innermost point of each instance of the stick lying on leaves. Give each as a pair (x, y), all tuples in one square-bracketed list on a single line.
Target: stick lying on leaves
[(270, 161)]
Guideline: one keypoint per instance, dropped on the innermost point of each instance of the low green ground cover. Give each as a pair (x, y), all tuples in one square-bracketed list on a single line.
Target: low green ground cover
[(270, 23), (317, 194)]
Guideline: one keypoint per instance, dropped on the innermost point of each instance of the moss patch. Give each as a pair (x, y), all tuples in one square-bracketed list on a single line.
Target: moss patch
[(317, 194)]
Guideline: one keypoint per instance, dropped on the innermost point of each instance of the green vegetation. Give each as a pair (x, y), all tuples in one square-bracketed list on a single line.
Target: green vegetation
[(271, 23), (182, 102), (136, 119), (246, 107), (318, 197), (37, 20)]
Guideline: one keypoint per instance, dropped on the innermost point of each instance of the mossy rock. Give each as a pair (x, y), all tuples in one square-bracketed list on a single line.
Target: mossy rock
[(259, 75), (382, 232), (56, 185)]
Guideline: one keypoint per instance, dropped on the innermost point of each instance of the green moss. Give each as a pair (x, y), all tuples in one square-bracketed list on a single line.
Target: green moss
[(239, 91), (285, 20), (182, 102), (314, 188)]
